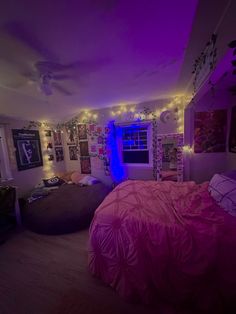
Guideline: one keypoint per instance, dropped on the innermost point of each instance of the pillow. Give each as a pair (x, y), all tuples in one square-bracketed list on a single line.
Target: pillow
[(76, 177), (65, 176), (223, 190), (54, 181), (230, 174), (88, 180)]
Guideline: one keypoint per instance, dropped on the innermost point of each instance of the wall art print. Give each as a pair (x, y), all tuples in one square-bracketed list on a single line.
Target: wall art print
[(71, 137), (232, 135), (85, 165), (82, 132), (59, 154), (28, 149), (84, 151), (210, 131), (57, 138), (73, 153)]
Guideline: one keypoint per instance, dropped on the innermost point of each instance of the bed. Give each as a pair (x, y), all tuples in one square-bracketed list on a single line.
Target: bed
[(169, 240), (66, 209)]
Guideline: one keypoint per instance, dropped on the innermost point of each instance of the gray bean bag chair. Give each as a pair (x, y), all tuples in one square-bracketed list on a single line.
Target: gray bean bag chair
[(67, 209)]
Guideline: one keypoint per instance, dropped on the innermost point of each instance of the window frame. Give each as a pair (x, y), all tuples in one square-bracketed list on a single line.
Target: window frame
[(141, 124)]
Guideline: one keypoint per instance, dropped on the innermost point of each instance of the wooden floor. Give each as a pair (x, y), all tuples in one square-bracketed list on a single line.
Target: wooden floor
[(48, 275)]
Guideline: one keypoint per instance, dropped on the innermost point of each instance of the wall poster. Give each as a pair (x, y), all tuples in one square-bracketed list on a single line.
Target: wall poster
[(28, 149), (85, 165), (210, 131)]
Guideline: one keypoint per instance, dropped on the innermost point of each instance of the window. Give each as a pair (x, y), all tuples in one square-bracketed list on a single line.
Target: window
[(135, 145), (5, 171)]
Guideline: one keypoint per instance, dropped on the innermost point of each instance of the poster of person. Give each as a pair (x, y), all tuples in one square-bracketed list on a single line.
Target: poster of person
[(83, 147), (232, 134), (59, 154), (57, 138), (71, 137), (28, 149), (82, 132), (73, 153), (85, 165), (210, 131)]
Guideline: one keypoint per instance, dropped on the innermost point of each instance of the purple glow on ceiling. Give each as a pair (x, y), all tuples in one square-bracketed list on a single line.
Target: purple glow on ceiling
[(128, 51)]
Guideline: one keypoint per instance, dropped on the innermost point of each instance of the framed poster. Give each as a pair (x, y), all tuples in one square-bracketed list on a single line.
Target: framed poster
[(57, 138), (28, 149), (82, 132), (232, 134), (84, 151), (210, 131), (59, 154), (71, 137), (73, 153), (85, 165)]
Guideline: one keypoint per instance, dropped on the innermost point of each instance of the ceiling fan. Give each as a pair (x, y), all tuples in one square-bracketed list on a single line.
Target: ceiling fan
[(46, 76), (35, 63)]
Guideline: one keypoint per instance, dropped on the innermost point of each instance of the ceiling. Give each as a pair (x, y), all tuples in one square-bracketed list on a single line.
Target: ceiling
[(103, 52)]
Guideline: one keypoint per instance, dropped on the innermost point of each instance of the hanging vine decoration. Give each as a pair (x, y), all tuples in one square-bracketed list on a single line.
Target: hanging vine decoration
[(207, 57)]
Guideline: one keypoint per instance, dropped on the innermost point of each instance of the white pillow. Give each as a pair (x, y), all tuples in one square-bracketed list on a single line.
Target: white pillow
[(223, 190), (88, 180)]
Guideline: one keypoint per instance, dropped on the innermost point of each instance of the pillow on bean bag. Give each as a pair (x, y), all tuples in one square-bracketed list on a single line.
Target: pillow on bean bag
[(76, 177), (88, 180), (54, 181)]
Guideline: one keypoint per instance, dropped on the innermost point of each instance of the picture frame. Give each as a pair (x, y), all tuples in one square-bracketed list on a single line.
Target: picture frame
[(210, 131), (71, 137), (73, 153), (85, 164), (57, 138), (28, 149), (59, 154), (84, 150), (82, 132)]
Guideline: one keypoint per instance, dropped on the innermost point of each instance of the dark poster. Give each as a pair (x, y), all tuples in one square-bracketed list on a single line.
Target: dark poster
[(85, 165), (232, 135), (28, 149), (73, 153), (84, 151), (210, 131), (82, 132)]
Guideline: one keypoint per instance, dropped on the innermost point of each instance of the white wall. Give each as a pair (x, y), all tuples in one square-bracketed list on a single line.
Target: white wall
[(201, 167), (26, 180), (132, 172)]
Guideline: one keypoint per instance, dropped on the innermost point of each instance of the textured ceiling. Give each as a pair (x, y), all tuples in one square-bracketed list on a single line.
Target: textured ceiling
[(113, 51)]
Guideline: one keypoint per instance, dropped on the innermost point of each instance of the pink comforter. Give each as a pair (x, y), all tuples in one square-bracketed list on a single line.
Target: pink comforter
[(167, 239)]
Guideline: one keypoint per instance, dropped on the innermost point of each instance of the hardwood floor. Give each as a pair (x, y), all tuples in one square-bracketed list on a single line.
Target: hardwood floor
[(48, 275)]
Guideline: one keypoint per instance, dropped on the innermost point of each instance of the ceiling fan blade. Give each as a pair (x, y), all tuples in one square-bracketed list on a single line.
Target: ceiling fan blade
[(61, 77), (18, 31), (61, 89), (49, 66), (46, 89)]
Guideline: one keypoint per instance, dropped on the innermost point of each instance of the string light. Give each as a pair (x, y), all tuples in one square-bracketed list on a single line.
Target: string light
[(187, 149)]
